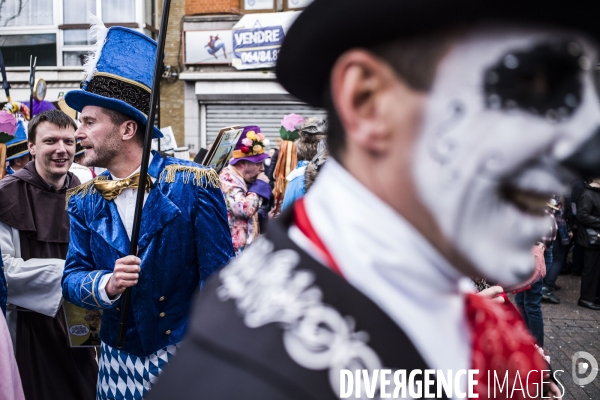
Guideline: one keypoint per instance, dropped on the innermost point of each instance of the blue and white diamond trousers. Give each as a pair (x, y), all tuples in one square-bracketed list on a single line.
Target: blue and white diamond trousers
[(122, 376)]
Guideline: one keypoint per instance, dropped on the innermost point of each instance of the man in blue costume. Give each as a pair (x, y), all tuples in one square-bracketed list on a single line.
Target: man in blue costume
[(184, 235)]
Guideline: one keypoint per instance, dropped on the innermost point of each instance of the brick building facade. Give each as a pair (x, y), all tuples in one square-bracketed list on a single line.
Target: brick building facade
[(195, 7), (217, 94), (171, 93)]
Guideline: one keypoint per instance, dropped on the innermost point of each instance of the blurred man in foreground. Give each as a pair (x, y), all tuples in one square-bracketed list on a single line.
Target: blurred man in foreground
[(448, 132)]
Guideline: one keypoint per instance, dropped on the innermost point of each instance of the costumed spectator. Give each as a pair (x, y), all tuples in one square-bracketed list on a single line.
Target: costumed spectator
[(315, 165), (270, 153), (577, 188), (559, 249), (34, 238), (287, 157), (430, 180), (10, 381), (39, 106), (17, 151), (529, 301), (8, 128), (13, 138), (588, 237), (265, 203), (183, 238), (242, 188), (524, 297), (78, 168), (270, 165), (267, 206), (310, 133)]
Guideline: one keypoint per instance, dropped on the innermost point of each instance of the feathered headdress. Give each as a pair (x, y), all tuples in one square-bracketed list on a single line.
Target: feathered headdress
[(98, 32)]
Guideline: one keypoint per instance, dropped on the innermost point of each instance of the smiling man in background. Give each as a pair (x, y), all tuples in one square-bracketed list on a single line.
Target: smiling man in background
[(34, 238)]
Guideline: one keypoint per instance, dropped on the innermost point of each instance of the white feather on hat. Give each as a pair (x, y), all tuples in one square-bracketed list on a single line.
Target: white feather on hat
[(98, 32)]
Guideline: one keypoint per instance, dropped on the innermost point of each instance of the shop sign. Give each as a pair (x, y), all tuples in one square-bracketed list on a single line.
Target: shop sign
[(257, 40)]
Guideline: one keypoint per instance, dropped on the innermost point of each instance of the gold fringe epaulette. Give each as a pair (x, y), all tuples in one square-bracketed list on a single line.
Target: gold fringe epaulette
[(202, 176), (84, 189)]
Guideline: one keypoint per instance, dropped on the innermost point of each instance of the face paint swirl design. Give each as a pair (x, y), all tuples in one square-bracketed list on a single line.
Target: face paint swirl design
[(508, 106)]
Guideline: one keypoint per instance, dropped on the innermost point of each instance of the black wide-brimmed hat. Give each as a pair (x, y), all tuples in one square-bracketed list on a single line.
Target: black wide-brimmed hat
[(327, 28)]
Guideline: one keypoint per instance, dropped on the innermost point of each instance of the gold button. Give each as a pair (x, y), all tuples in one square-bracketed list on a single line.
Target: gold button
[(162, 298), (168, 332), (162, 314)]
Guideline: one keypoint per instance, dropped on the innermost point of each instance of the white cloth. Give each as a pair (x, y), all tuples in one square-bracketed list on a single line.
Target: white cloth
[(34, 284), (83, 173), (10, 381), (296, 173), (388, 260), (125, 203)]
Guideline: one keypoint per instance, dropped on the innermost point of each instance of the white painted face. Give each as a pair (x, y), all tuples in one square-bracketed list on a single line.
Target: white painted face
[(507, 106)]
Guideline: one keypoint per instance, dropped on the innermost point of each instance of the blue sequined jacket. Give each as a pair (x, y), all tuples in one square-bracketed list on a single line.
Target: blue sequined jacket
[(184, 238)]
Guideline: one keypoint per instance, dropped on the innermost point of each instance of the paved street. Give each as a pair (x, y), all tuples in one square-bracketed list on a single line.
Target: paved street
[(569, 329)]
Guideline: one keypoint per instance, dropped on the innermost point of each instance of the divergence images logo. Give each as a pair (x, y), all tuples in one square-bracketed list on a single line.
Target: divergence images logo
[(584, 363)]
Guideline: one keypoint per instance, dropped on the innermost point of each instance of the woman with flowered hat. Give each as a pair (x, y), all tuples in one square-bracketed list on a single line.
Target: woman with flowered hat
[(243, 189)]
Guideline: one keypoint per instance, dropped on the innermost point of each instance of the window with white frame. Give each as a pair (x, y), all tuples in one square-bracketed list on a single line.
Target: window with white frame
[(17, 49), (76, 41), (26, 12), (57, 31)]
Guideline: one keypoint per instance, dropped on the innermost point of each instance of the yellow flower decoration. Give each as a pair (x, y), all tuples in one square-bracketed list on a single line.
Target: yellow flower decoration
[(251, 135), (257, 148)]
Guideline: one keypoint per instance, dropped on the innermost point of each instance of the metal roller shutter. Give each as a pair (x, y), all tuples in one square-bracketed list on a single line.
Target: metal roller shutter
[(267, 116)]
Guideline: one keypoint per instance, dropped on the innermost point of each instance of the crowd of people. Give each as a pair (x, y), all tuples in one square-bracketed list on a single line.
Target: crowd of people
[(383, 238)]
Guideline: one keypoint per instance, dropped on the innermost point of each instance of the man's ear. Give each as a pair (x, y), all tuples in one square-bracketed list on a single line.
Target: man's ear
[(359, 83), (129, 129), (31, 147)]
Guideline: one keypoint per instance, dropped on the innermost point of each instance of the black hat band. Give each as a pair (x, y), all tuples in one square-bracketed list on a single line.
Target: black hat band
[(131, 93), (16, 149)]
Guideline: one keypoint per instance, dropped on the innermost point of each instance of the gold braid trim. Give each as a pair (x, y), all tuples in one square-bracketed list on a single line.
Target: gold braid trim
[(84, 189), (202, 177)]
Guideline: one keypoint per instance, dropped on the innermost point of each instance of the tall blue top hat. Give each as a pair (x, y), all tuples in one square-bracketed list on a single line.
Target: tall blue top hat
[(118, 74), (18, 146)]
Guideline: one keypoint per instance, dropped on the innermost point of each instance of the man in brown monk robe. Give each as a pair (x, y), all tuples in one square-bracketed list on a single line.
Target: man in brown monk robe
[(34, 238)]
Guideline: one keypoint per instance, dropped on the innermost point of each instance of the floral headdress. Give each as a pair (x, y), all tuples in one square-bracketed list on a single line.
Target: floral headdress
[(250, 146)]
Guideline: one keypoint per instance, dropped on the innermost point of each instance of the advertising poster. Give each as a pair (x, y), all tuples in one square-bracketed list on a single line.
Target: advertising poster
[(257, 39), (83, 325), (208, 47)]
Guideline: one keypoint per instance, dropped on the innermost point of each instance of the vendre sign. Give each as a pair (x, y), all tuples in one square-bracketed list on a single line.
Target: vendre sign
[(257, 39)]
